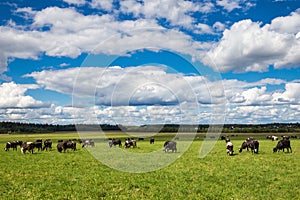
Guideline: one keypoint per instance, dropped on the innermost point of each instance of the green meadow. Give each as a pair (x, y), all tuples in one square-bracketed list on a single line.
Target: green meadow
[(79, 175)]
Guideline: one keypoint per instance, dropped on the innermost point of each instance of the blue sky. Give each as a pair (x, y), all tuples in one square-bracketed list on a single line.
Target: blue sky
[(150, 62)]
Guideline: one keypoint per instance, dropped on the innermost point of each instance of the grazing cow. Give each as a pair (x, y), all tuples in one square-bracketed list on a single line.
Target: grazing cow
[(130, 143), (86, 143), (13, 145), (47, 144), (170, 145), (151, 140), (229, 147), (283, 144), (27, 146), (223, 137), (140, 139), (38, 145), (272, 137), (115, 142), (63, 146), (251, 143)]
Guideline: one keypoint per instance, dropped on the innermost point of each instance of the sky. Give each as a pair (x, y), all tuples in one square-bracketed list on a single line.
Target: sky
[(135, 62)]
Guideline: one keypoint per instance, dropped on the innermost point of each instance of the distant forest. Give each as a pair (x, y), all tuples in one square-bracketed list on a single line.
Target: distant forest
[(18, 127)]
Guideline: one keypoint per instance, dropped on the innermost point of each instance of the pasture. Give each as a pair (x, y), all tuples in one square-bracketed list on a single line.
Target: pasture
[(78, 175)]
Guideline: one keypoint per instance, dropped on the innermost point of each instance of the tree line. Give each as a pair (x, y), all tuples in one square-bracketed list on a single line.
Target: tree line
[(20, 127)]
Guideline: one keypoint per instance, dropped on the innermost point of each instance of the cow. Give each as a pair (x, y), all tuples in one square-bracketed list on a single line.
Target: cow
[(115, 142), (86, 143), (38, 145), (229, 147), (272, 137), (251, 143), (170, 145), (63, 146), (27, 146), (47, 144), (130, 143), (13, 145), (283, 144), (151, 140)]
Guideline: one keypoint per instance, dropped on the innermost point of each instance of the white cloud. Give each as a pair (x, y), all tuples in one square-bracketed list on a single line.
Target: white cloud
[(229, 5), (13, 95), (17, 44), (75, 2), (139, 95), (147, 85), (218, 26), (103, 4), (247, 46), (291, 94), (176, 12), (288, 24), (203, 29), (71, 33)]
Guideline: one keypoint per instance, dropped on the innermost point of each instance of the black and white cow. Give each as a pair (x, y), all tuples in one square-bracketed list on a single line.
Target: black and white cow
[(89, 142), (283, 144), (115, 142), (38, 145), (13, 145), (170, 145), (47, 144), (130, 143), (27, 146), (229, 147), (251, 143), (63, 146)]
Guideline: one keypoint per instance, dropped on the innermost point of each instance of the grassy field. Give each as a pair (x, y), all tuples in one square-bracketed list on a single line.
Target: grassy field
[(79, 175)]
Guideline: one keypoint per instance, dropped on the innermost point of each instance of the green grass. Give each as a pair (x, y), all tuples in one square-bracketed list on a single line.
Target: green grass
[(78, 175)]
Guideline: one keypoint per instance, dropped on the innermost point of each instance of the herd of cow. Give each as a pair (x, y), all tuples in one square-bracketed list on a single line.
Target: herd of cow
[(253, 144), (62, 146), (130, 142)]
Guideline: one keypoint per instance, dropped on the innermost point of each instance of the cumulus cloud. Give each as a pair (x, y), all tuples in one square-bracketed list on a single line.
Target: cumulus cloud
[(229, 5), (288, 24), (66, 32), (248, 46), (139, 95), (13, 95), (75, 2), (17, 44), (176, 12), (290, 95), (146, 85), (103, 4)]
